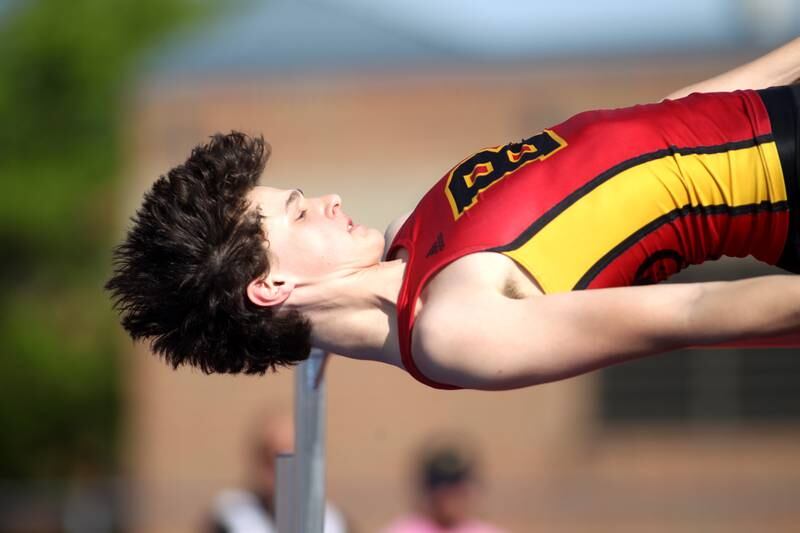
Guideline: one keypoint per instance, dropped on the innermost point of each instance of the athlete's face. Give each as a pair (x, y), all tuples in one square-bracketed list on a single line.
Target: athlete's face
[(312, 239)]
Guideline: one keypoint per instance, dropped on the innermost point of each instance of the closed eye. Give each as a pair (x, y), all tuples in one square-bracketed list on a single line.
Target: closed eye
[(302, 215)]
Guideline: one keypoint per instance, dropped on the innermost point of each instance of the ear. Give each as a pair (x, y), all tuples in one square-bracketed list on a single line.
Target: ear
[(268, 292)]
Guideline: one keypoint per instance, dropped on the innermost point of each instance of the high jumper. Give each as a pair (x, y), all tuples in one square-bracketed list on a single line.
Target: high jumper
[(528, 262)]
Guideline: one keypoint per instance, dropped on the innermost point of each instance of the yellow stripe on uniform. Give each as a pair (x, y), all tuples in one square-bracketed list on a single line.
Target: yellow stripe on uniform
[(566, 248)]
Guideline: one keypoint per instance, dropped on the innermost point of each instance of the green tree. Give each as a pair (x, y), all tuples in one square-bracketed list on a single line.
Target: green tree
[(64, 70)]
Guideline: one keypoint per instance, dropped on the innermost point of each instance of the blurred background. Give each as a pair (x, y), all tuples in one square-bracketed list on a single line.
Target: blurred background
[(374, 101)]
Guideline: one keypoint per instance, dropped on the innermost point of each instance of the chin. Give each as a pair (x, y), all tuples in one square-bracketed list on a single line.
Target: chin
[(372, 234), (377, 243)]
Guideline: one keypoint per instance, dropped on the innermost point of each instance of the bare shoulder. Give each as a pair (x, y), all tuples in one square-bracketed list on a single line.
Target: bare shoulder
[(462, 293), (392, 229), (437, 334), (459, 289)]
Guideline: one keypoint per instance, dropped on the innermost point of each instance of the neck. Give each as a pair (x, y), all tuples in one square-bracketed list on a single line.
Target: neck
[(356, 315)]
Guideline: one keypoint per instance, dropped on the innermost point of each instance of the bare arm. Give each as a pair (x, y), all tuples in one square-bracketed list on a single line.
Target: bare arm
[(500, 343), (779, 67)]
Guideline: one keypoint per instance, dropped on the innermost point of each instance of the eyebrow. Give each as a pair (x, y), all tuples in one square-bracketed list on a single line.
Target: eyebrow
[(294, 197)]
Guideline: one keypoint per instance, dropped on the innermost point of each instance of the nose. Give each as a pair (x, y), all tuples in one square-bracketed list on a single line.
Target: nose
[(333, 203)]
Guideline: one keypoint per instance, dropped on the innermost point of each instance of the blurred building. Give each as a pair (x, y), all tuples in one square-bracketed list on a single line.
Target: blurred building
[(375, 101)]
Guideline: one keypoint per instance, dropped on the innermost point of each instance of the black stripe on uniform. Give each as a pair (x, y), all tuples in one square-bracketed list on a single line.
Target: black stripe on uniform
[(782, 105), (650, 227), (589, 186)]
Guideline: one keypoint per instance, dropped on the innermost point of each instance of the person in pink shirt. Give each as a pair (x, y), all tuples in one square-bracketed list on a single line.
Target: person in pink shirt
[(448, 491)]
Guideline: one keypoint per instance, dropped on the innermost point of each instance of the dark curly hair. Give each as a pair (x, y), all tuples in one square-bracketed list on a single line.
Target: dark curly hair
[(180, 276)]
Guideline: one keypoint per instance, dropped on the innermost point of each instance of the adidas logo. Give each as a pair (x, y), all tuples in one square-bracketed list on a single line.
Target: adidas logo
[(437, 247)]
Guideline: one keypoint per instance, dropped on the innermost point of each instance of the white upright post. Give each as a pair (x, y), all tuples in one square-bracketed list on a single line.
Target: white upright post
[(284, 493), (302, 476)]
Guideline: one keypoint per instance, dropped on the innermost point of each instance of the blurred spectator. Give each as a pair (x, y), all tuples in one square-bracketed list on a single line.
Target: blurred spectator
[(252, 510), (448, 490)]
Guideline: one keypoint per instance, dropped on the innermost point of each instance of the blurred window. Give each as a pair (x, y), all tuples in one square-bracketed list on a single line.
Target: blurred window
[(704, 385)]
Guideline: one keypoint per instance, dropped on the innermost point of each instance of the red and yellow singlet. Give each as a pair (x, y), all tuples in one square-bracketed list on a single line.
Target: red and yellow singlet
[(617, 197)]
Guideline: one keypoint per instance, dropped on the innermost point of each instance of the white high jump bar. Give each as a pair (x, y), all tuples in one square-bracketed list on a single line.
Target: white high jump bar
[(300, 483)]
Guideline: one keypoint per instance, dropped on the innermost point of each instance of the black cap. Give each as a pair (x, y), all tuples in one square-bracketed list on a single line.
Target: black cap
[(446, 466)]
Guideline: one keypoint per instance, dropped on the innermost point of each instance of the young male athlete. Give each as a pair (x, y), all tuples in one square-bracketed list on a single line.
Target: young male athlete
[(481, 286)]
